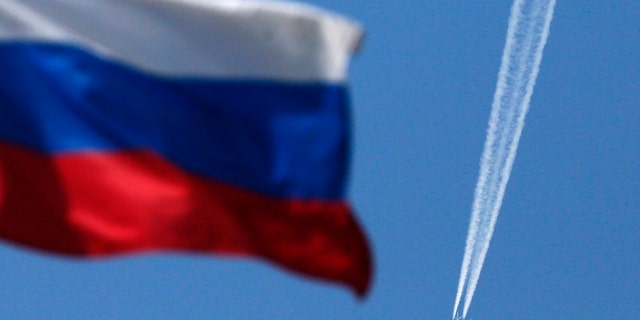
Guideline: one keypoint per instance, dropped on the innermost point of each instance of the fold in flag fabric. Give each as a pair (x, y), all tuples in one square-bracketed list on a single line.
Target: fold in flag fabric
[(130, 126)]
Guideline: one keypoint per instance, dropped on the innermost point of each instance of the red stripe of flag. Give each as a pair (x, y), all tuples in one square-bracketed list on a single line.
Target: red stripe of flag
[(102, 203)]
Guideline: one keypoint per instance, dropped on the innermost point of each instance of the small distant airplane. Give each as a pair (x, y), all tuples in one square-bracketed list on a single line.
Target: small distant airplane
[(457, 317)]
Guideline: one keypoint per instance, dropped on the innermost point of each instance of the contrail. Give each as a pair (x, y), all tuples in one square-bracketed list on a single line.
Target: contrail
[(526, 37)]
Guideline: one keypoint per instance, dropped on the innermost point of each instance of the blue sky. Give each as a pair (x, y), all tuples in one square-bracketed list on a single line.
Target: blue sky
[(567, 243)]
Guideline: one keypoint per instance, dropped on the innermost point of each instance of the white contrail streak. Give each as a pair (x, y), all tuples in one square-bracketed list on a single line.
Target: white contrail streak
[(526, 37)]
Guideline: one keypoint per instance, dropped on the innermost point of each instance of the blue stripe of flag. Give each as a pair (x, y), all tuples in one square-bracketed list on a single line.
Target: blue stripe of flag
[(280, 139)]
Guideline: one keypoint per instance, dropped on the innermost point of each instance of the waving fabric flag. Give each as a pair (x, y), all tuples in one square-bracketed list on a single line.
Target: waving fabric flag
[(179, 125)]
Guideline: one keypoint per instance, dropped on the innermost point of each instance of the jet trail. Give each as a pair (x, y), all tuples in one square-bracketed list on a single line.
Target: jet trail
[(526, 37)]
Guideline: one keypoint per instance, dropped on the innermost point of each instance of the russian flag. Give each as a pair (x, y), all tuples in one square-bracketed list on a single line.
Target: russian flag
[(222, 127)]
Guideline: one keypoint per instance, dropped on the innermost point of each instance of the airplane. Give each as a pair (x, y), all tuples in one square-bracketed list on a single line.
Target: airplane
[(457, 317)]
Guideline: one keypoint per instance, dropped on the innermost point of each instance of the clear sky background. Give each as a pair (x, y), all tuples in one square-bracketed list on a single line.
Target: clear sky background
[(567, 243)]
